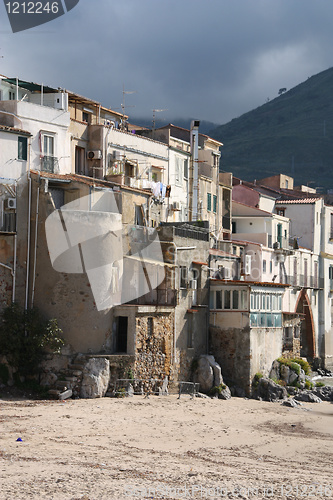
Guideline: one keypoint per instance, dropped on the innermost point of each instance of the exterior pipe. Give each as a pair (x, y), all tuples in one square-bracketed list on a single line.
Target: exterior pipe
[(28, 246), (14, 269), (35, 250)]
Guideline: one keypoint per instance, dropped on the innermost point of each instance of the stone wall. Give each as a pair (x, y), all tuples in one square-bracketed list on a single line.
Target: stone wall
[(154, 343)]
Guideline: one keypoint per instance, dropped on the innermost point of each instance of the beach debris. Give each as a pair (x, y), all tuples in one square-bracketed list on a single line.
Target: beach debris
[(19, 439), (66, 394)]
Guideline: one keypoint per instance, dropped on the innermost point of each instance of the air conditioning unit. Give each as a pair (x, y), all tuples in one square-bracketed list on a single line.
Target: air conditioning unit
[(194, 284), (10, 203), (116, 155), (176, 205), (94, 155)]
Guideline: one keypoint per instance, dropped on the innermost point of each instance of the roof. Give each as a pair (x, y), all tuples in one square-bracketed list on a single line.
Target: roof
[(89, 181), (33, 87), (298, 201), (251, 211), (14, 130), (255, 283)]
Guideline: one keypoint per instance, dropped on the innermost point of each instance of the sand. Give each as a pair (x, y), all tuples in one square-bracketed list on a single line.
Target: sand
[(163, 447)]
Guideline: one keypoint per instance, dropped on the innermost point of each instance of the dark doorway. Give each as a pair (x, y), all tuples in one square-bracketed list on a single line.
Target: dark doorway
[(307, 329), (121, 339), (80, 161)]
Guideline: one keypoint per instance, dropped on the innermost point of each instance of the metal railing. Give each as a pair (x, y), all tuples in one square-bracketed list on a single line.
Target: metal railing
[(305, 281), (49, 164)]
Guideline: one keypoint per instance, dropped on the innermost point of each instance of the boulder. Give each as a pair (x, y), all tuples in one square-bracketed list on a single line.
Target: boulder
[(204, 373), (48, 379), (270, 391), (307, 397), (225, 393), (324, 393), (285, 373), (95, 379), (275, 371), (292, 377), (292, 403)]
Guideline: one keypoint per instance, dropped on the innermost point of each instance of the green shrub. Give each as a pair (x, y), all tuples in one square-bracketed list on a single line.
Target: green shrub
[(291, 363), (308, 384), (25, 337), (217, 389), (320, 384), (256, 378)]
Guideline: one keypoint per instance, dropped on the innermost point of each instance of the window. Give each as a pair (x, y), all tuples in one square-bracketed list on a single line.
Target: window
[(48, 145), (185, 169), (209, 202), (233, 227), (330, 274), (22, 148), (263, 266), (85, 117), (183, 276), (281, 211), (227, 304), (235, 299), (214, 203), (178, 172), (271, 267), (218, 299)]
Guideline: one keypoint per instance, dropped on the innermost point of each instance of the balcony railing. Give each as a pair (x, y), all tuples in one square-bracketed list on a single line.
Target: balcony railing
[(49, 164), (157, 297), (306, 281)]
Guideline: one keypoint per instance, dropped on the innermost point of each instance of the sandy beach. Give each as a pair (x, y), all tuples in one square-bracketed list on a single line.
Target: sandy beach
[(163, 447)]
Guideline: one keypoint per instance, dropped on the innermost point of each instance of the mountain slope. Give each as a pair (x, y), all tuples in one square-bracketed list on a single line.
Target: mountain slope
[(291, 134)]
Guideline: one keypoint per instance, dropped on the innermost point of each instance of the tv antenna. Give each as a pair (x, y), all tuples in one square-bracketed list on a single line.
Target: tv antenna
[(123, 106), (154, 116)]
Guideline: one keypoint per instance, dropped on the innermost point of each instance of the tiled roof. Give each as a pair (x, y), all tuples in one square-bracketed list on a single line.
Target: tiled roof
[(299, 200), (14, 130)]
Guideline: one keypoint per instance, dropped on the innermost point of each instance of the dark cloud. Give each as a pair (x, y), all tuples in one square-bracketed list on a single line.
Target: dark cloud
[(213, 59)]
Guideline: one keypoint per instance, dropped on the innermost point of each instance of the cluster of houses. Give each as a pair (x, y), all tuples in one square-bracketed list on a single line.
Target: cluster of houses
[(147, 252)]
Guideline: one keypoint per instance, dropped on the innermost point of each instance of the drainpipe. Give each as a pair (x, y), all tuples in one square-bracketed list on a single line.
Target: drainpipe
[(35, 248), (28, 246), (194, 152)]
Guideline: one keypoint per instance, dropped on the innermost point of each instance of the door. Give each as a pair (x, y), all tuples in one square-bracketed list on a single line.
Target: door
[(121, 336)]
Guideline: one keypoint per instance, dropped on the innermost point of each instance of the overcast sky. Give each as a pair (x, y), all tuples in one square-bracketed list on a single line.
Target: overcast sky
[(209, 59)]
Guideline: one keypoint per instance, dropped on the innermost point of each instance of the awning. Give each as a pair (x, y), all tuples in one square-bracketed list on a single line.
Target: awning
[(33, 87)]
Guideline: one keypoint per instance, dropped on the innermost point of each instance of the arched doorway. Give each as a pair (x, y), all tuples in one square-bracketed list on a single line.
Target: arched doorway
[(303, 307)]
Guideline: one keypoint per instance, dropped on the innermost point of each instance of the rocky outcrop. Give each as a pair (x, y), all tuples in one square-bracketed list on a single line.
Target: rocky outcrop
[(307, 397), (268, 390), (95, 379)]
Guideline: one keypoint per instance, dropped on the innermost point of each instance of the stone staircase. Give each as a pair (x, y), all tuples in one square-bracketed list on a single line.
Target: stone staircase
[(69, 380)]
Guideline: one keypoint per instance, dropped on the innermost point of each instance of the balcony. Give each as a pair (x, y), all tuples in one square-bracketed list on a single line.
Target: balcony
[(157, 297), (306, 282), (49, 164)]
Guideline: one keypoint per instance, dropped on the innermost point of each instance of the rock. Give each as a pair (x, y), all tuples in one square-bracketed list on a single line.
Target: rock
[(95, 379), (204, 374), (225, 393), (48, 379), (285, 373), (201, 395), (292, 377), (324, 393), (164, 389), (208, 373), (307, 397), (275, 371), (292, 403), (130, 391), (270, 391)]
